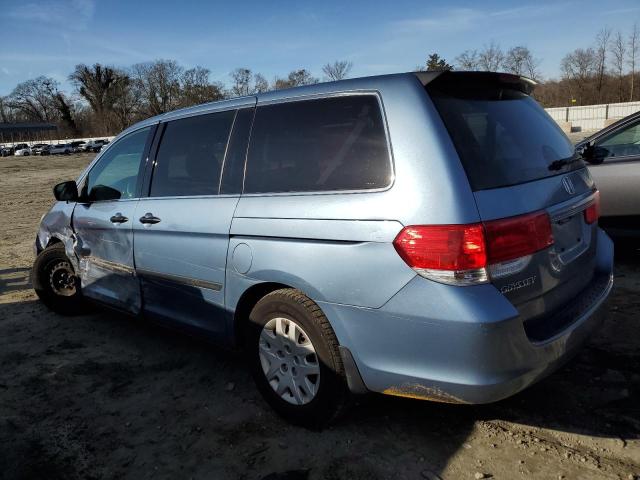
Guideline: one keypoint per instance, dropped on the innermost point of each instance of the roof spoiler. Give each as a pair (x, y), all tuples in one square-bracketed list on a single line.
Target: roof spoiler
[(523, 84)]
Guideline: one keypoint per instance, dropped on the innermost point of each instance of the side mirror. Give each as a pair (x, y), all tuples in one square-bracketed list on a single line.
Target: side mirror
[(102, 192), (598, 155), (66, 191), (593, 154)]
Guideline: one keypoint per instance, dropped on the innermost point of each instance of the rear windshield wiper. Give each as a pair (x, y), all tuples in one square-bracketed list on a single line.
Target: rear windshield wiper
[(558, 164)]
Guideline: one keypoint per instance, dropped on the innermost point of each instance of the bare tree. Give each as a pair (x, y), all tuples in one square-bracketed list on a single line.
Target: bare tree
[(34, 99), (532, 68), (520, 60), (197, 88), (4, 110), (579, 67), (468, 60), (633, 43), (99, 86), (602, 46), (66, 112), (245, 82), (337, 70), (260, 84), (295, 79), (241, 82), (618, 53), (490, 57), (127, 105), (158, 83)]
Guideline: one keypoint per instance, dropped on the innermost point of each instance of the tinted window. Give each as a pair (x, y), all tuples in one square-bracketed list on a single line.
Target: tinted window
[(328, 144), (119, 167), (623, 143), (190, 156), (503, 136)]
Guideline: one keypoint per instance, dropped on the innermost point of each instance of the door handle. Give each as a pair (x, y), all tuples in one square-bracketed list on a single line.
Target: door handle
[(118, 218), (149, 218)]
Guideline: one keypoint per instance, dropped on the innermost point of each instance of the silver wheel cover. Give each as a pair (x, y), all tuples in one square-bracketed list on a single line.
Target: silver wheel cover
[(289, 361)]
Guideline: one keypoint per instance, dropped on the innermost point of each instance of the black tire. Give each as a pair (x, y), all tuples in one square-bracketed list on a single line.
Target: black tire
[(332, 394), (54, 257)]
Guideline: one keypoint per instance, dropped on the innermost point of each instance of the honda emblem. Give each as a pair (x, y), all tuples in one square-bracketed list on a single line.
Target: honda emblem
[(568, 185)]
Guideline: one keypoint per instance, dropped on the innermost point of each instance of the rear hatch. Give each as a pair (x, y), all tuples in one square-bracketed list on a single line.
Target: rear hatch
[(520, 163)]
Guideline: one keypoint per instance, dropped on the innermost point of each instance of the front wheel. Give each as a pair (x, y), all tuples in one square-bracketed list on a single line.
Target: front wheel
[(56, 283), (295, 359)]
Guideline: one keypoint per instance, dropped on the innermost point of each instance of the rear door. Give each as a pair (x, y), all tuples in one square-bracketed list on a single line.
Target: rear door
[(181, 229), (103, 219), (519, 162)]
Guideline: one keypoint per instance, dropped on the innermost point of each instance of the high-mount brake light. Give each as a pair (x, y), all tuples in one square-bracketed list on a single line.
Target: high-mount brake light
[(464, 254)]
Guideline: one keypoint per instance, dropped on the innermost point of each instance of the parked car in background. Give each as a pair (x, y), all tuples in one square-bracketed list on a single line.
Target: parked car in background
[(36, 149), (22, 149), (78, 146), (62, 148), (95, 145), (613, 155), (6, 151), (462, 265)]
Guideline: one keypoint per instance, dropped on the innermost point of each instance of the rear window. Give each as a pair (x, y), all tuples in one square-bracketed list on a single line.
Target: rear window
[(503, 136), (327, 144)]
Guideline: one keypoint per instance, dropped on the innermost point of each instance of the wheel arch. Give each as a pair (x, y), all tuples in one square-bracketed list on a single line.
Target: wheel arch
[(53, 240), (249, 298)]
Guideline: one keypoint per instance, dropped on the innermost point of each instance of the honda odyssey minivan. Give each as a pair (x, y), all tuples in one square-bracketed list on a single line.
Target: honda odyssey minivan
[(429, 235)]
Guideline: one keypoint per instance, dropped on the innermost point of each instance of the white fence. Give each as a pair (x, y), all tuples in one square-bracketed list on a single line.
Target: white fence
[(592, 117), (55, 142), (572, 119)]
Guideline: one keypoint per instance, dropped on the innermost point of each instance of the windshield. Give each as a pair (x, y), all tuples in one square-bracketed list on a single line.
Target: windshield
[(503, 136)]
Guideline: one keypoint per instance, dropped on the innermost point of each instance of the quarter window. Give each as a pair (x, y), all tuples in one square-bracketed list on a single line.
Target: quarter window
[(118, 169), (327, 144), (190, 156)]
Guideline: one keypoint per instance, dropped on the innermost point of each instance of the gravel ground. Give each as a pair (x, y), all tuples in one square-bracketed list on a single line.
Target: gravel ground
[(106, 396)]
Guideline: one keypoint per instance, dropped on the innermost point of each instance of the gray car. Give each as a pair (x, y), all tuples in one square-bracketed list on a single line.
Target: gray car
[(427, 235), (614, 157)]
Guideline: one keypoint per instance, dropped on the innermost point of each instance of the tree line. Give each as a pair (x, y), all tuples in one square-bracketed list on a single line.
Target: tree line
[(106, 99), (604, 72)]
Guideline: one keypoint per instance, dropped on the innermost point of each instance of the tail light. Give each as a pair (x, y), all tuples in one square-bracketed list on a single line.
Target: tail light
[(462, 254), (592, 213)]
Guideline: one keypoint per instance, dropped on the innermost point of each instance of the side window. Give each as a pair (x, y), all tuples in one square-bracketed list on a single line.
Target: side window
[(624, 143), (115, 175), (327, 144), (190, 155)]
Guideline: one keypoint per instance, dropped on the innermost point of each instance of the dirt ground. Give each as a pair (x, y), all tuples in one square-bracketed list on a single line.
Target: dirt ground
[(106, 396)]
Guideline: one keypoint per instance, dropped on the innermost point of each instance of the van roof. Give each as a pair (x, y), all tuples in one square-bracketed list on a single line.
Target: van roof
[(351, 84)]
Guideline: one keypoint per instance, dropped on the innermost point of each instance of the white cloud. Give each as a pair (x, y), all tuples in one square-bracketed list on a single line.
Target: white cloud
[(74, 14), (461, 18)]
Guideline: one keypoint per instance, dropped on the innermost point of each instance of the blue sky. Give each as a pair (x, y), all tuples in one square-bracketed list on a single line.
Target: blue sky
[(49, 37)]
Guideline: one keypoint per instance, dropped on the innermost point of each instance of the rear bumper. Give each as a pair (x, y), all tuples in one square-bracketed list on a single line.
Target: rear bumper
[(460, 345)]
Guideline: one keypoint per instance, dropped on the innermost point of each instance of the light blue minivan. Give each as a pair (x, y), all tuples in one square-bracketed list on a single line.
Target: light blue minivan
[(430, 235)]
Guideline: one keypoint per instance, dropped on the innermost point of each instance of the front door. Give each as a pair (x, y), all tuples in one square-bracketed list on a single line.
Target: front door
[(103, 219), (617, 179), (181, 229)]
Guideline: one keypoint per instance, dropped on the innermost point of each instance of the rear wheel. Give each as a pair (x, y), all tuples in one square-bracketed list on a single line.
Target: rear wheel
[(295, 359), (56, 283)]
